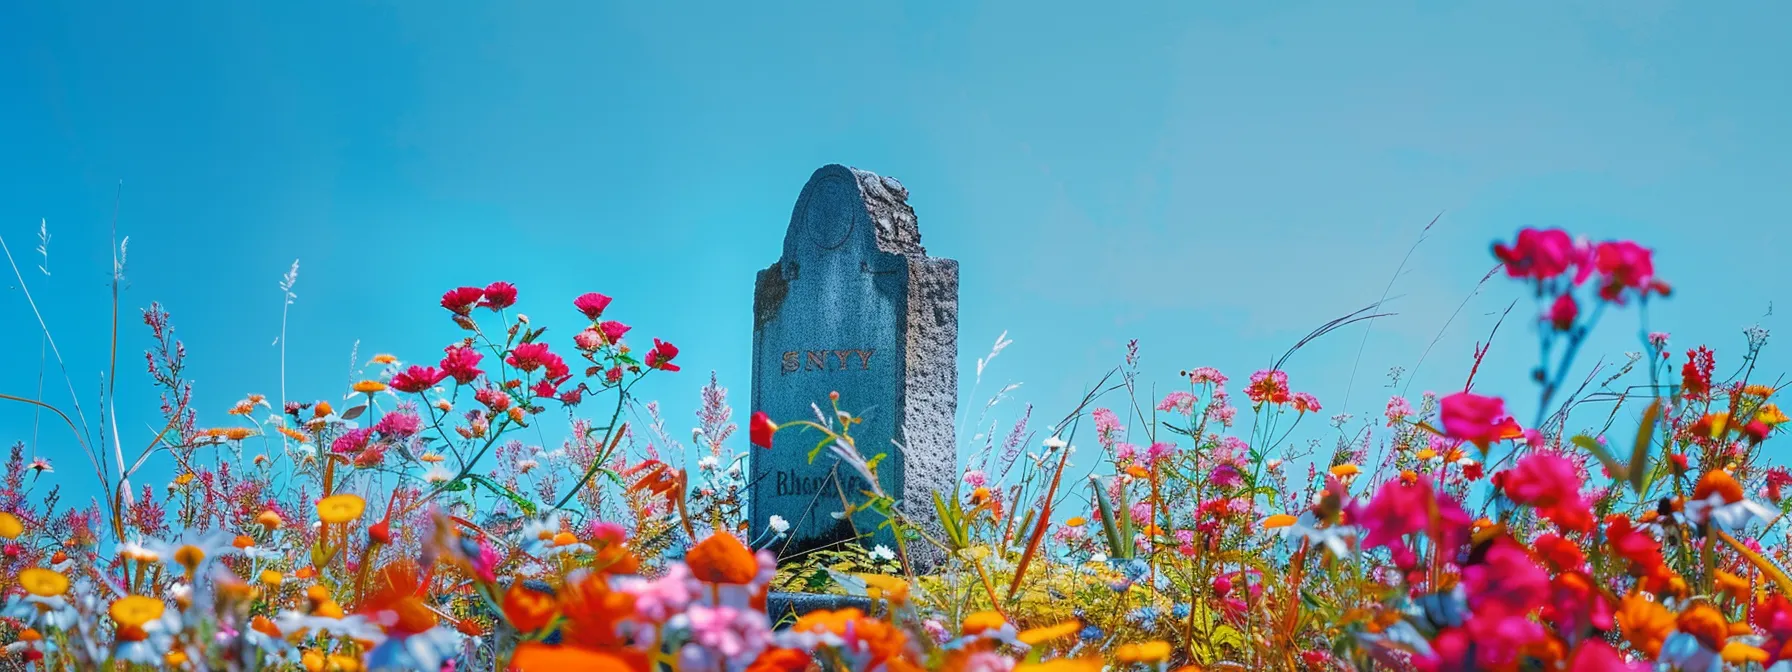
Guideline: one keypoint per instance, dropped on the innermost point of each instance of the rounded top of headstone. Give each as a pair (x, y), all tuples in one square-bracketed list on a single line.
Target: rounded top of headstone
[(840, 204)]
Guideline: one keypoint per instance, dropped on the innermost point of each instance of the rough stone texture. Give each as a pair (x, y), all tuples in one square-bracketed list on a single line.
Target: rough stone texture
[(854, 305), (780, 606)]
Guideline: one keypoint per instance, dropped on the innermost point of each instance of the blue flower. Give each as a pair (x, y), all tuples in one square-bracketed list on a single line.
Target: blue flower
[(1090, 633), (1180, 611)]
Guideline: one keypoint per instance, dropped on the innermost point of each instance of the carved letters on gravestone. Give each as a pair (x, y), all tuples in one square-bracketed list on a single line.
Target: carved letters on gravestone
[(854, 306)]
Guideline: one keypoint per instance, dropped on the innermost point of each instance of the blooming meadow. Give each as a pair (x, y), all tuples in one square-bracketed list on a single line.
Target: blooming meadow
[(407, 523)]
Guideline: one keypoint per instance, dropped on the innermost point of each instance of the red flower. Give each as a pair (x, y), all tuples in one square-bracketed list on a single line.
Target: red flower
[(1551, 484), (1625, 265), (528, 356), (1270, 386), (660, 357), (417, 379), (592, 305), (499, 295), (613, 331), (1542, 255), (1473, 418), (1695, 377), (1563, 312), (461, 299), (462, 363), (761, 428), (493, 398)]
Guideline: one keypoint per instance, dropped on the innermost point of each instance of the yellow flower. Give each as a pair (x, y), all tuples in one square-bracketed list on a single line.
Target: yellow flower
[(880, 587), (174, 658), (983, 621), (135, 610), (1426, 453), (1037, 636), (1155, 651), (1762, 391), (271, 578), (1077, 521), (370, 387), (184, 479), (1737, 652), (269, 520), (1345, 470), (383, 358), (43, 582), (341, 508), (10, 527), (1278, 521), (1771, 414)]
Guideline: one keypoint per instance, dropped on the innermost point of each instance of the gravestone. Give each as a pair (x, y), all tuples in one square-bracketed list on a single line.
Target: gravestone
[(854, 306)]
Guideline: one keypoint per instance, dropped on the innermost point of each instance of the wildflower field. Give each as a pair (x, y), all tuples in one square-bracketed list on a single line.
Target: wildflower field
[(408, 524)]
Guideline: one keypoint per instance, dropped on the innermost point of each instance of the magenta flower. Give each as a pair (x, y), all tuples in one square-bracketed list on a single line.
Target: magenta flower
[(592, 304), (1543, 255), (613, 331), (499, 295), (1472, 417), (417, 379), (528, 356), (462, 299), (462, 363)]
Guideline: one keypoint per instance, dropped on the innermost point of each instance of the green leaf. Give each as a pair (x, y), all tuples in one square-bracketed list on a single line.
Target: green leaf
[(456, 486), (522, 503), (1644, 439), (1605, 457), (355, 412)]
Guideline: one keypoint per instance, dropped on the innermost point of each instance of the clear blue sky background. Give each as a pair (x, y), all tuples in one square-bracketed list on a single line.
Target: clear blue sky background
[(1214, 181)]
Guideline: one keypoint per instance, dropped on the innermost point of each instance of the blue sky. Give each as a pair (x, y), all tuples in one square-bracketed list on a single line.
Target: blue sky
[(1213, 181)]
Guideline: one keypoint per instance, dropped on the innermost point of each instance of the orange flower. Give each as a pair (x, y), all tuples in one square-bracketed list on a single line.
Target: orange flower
[(533, 657), (1061, 665), (1706, 623), (238, 433), (592, 611), (721, 558), (880, 587), (983, 621), (1645, 623), (1278, 521), (370, 387), (529, 608), (1037, 636), (1409, 477), (1345, 470), (1156, 651), (395, 600), (321, 409), (780, 660), (293, 434), (1734, 586), (1719, 482), (883, 641)]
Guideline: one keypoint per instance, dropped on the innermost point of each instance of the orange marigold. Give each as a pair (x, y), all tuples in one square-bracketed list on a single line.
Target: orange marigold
[(721, 558)]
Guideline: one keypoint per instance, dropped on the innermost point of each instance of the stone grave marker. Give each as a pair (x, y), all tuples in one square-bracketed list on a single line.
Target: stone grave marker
[(854, 306)]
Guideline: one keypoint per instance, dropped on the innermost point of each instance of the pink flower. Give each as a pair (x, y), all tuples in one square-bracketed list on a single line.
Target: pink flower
[(1304, 402), (725, 633), (401, 425), (1160, 451), (1472, 417), (1107, 425), (499, 295), (589, 340), (1595, 654), (659, 599), (1207, 374), (1623, 265), (975, 478), (1397, 410), (462, 299), (1398, 510), (613, 331), (592, 305), (1551, 484), (417, 379), (1180, 402), (493, 398), (1270, 386), (1563, 312), (528, 356), (462, 363), (1503, 591), (353, 441), (660, 357), (1542, 255)]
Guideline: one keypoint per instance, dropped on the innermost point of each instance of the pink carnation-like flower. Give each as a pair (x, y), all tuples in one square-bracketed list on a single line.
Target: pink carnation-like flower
[(1542, 254)]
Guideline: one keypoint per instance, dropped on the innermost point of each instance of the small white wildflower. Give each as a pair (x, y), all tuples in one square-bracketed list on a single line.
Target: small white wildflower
[(1054, 443), (883, 552), (779, 524), (437, 474), (707, 463)]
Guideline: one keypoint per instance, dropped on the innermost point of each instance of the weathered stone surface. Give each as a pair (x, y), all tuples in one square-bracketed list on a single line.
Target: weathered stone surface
[(781, 606), (854, 306)]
